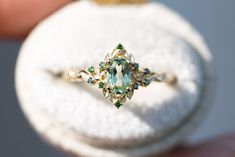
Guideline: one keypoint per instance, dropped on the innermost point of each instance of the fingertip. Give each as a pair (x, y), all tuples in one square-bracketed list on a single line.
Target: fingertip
[(18, 17)]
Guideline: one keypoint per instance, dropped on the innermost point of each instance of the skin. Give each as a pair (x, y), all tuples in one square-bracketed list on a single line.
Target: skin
[(18, 18)]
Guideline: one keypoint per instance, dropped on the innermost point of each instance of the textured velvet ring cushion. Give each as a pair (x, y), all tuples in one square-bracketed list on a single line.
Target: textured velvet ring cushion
[(76, 117)]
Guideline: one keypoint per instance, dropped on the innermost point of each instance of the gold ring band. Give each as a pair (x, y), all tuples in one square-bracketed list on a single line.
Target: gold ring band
[(118, 76)]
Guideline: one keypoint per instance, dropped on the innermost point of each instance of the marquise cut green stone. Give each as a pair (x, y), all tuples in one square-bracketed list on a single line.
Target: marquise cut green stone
[(101, 64), (118, 104), (146, 71), (91, 69), (120, 47), (146, 82), (101, 84), (136, 65), (90, 80), (135, 86)]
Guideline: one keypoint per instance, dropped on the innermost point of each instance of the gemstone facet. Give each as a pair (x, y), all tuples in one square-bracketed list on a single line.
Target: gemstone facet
[(119, 74)]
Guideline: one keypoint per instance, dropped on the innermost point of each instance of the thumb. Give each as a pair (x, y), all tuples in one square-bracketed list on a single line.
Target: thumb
[(18, 17)]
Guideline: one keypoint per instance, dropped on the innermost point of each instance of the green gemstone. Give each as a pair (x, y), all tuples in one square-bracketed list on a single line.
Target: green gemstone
[(101, 84), (119, 74), (120, 47), (135, 86), (90, 80), (146, 71), (146, 82), (118, 104), (91, 69), (119, 90), (101, 64), (119, 60), (136, 65)]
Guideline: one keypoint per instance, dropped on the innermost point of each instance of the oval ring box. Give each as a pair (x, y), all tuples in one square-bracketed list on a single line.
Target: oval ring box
[(76, 118)]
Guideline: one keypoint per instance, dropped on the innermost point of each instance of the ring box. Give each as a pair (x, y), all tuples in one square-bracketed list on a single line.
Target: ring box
[(76, 118)]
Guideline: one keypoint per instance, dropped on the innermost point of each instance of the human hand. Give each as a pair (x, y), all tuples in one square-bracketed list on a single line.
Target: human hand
[(18, 17)]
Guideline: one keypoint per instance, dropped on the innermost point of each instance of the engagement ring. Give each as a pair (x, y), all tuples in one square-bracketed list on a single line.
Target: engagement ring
[(117, 76)]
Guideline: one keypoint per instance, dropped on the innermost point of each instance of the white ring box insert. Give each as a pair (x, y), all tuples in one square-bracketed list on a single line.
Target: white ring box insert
[(77, 118)]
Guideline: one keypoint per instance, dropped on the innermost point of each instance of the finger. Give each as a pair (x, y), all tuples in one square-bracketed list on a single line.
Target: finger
[(18, 17)]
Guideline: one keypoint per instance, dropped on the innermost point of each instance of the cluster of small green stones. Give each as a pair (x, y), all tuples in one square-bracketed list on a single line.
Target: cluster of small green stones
[(118, 76)]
